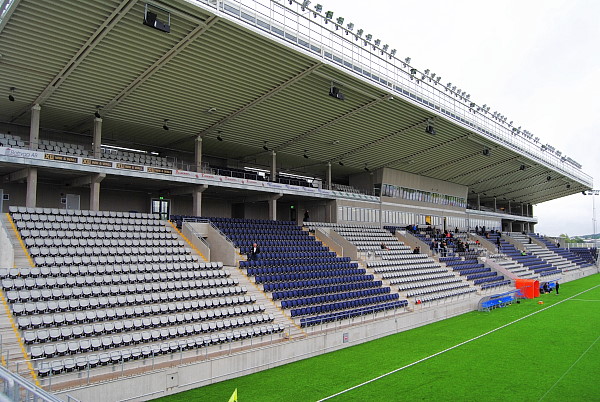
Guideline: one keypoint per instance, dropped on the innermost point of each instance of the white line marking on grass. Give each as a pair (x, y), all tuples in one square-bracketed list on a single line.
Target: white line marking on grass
[(585, 300), (453, 347), (569, 369)]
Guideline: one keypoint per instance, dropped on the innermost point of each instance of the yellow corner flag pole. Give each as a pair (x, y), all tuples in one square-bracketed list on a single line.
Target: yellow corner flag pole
[(233, 396)]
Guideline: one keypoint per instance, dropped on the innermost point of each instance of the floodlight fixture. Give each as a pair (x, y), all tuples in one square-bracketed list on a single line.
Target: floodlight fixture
[(430, 130), (305, 154), (568, 186), (219, 137), (341, 163), (318, 9), (97, 112), (166, 124), (11, 95), (548, 178), (366, 168), (486, 152), (265, 147), (522, 167)]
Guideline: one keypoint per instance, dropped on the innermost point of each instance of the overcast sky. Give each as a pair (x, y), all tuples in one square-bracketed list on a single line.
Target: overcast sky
[(535, 61)]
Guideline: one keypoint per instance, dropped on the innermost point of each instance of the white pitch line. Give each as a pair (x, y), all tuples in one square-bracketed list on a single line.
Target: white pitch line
[(452, 347), (569, 369), (586, 300)]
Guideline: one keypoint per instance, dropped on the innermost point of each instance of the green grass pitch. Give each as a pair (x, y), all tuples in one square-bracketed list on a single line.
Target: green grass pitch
[(550, 356)]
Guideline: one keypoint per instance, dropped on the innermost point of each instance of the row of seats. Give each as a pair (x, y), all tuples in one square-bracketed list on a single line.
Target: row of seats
[(55, 367), (343, 305), (78, 299), (196, 310), (81, 212), (64, 271), (333, 297), (323, 290), (348, 314)]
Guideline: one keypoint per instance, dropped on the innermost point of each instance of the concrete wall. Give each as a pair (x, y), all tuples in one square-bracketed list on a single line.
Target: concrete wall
[(7, 253)]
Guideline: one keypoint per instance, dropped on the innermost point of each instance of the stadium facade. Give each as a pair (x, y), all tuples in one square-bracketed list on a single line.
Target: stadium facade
[(248, 112)]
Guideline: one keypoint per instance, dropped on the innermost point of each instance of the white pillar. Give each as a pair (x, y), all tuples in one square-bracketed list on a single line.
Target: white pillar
[(273, 166), (97, 138), (198, 155), (273, 206), (197, 199), (34, 130), (328, 176), (95, 191), (31, 197), (495, 206)]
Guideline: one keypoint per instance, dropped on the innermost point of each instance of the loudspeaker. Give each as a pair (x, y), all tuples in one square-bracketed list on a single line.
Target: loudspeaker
[(151, 21), (335, 92)]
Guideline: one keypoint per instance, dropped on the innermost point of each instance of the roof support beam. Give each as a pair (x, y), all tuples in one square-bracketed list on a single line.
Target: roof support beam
[(85, 181), (13, 7), (262, 98), (250, 105), (86, 49), (332, 122), (154, 68)]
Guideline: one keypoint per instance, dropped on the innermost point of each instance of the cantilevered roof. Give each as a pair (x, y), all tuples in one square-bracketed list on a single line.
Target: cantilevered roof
[(255, 76)]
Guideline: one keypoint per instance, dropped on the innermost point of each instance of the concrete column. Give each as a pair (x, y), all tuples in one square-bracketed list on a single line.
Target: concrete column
[(197, 199), (522, 209), (273, 206), (509, 210), (31, 197), (97, 138), (328, 176), (34, 130), (198, 155), (478, 202), (495, 206), (95, 191), (273, 166)]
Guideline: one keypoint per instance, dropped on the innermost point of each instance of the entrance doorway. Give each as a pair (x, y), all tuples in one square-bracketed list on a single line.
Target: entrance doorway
[(161, 207)]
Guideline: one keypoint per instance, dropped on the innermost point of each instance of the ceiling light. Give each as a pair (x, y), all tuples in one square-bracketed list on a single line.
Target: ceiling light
[(366, 168), (430, 130), (211, 110), (548, 178), (522, 167), (486, 152), (305, 154), (219, 138), (11, 96), (97, 112), (341, 163), (265, 146), (165, 124)]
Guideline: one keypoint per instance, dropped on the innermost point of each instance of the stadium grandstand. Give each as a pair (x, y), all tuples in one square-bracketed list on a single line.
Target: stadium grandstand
[(145, 146)]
